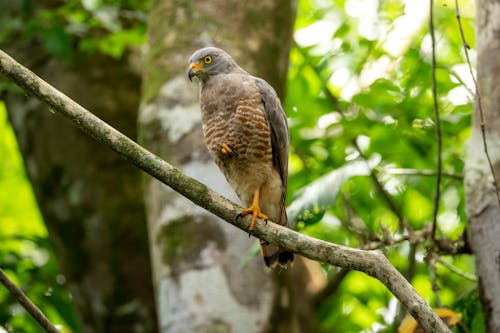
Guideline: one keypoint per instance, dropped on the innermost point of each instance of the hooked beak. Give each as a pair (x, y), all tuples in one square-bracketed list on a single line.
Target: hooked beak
[(195, 68), (191, 73)]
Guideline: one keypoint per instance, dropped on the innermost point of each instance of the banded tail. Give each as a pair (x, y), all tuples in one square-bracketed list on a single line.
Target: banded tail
[(275, 256)]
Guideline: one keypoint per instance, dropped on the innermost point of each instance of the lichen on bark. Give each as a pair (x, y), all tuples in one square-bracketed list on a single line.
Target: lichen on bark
[(182, 243)]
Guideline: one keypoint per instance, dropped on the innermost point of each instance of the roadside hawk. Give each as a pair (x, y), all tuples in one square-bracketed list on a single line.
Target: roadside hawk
[(246, 133)]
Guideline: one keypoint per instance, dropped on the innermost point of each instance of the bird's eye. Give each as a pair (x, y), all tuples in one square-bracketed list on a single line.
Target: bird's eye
[(207, 60)]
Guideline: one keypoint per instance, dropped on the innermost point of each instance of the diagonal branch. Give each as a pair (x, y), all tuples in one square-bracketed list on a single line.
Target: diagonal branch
[(373, 263), (27, 304)]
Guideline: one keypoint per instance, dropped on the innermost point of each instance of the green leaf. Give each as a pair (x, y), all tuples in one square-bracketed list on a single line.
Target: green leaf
[(57, 42), (311, 201), (379, 94)]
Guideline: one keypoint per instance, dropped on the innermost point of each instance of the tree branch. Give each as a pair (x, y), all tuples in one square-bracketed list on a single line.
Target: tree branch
[(373, 263), (438, 127), (331, 287), (27, 304)]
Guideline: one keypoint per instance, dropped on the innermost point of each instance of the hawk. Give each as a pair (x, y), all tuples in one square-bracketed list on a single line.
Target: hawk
[(247, 135)]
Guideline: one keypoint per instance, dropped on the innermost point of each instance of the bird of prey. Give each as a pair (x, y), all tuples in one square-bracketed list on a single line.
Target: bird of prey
[(247, 135)]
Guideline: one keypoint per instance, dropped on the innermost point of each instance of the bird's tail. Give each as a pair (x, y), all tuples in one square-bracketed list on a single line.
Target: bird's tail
[(275, 256)]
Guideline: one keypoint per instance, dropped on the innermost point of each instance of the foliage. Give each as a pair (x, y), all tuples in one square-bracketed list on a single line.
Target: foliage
[(70, 27), (358, 91), (25, 252)]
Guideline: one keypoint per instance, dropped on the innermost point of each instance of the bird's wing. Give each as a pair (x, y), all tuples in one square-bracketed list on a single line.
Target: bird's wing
[(280, 137)]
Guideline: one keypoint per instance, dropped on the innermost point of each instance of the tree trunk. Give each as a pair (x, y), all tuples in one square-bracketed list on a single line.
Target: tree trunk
[(90, 199), (483, 209), (203, 279)]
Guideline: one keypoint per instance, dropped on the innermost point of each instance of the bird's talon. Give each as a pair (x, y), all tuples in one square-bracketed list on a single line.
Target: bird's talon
[(256, 213), (228, 149)]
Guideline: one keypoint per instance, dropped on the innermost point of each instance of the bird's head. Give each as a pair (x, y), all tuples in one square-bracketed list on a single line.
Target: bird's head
[(210, 61)]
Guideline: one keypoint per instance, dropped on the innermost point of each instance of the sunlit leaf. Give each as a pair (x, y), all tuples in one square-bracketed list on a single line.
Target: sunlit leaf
[(311, 201)]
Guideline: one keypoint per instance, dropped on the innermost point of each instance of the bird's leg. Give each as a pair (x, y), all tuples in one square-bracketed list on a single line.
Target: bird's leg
[(254, 209), (228, 149)]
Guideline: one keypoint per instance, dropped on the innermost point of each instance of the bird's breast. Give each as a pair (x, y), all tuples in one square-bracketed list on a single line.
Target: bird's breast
[(233, 113)]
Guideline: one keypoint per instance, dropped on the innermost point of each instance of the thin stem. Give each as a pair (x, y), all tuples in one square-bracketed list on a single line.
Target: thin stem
[(432, 275), (421, 172), (27, 304), (456, 270), (385, 195), (438, 127), (479, 104), (331, 287), (459, 79)]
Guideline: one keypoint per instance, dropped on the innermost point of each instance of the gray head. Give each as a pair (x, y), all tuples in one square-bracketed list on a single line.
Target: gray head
[(210, 61)]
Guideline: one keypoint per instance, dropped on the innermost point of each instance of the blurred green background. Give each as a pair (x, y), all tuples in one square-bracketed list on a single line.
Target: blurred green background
[(358, 98)]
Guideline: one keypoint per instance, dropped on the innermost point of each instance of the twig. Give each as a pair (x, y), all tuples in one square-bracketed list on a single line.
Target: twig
[(438, 127), (462, 82), (380, 188), (331, 287), (27, 304), (479, 104), (443, 246), (456, 270), (421, 172), (375, 242), (446, 246), (373, 263), (431, 258)]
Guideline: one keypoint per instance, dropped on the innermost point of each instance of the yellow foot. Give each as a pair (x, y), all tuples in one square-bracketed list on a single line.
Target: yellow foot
[(228, 149), (256, 213), (254, 210)]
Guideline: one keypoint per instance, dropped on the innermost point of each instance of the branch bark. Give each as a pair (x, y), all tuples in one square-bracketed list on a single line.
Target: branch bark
[(373, 263), (27, 304)]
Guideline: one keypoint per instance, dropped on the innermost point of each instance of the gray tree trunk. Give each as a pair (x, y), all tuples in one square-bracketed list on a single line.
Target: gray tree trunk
[(482, 207), (90, 199), (203, 281)]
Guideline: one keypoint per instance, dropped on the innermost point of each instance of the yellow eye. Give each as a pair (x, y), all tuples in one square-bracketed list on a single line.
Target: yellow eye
[(207, 60)]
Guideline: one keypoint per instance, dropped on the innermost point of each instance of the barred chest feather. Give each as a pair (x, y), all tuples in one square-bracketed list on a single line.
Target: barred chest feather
[(233, 113)]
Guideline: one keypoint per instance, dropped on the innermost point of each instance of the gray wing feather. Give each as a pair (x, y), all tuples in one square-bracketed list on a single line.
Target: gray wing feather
[(280, 137), (280, 142)]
